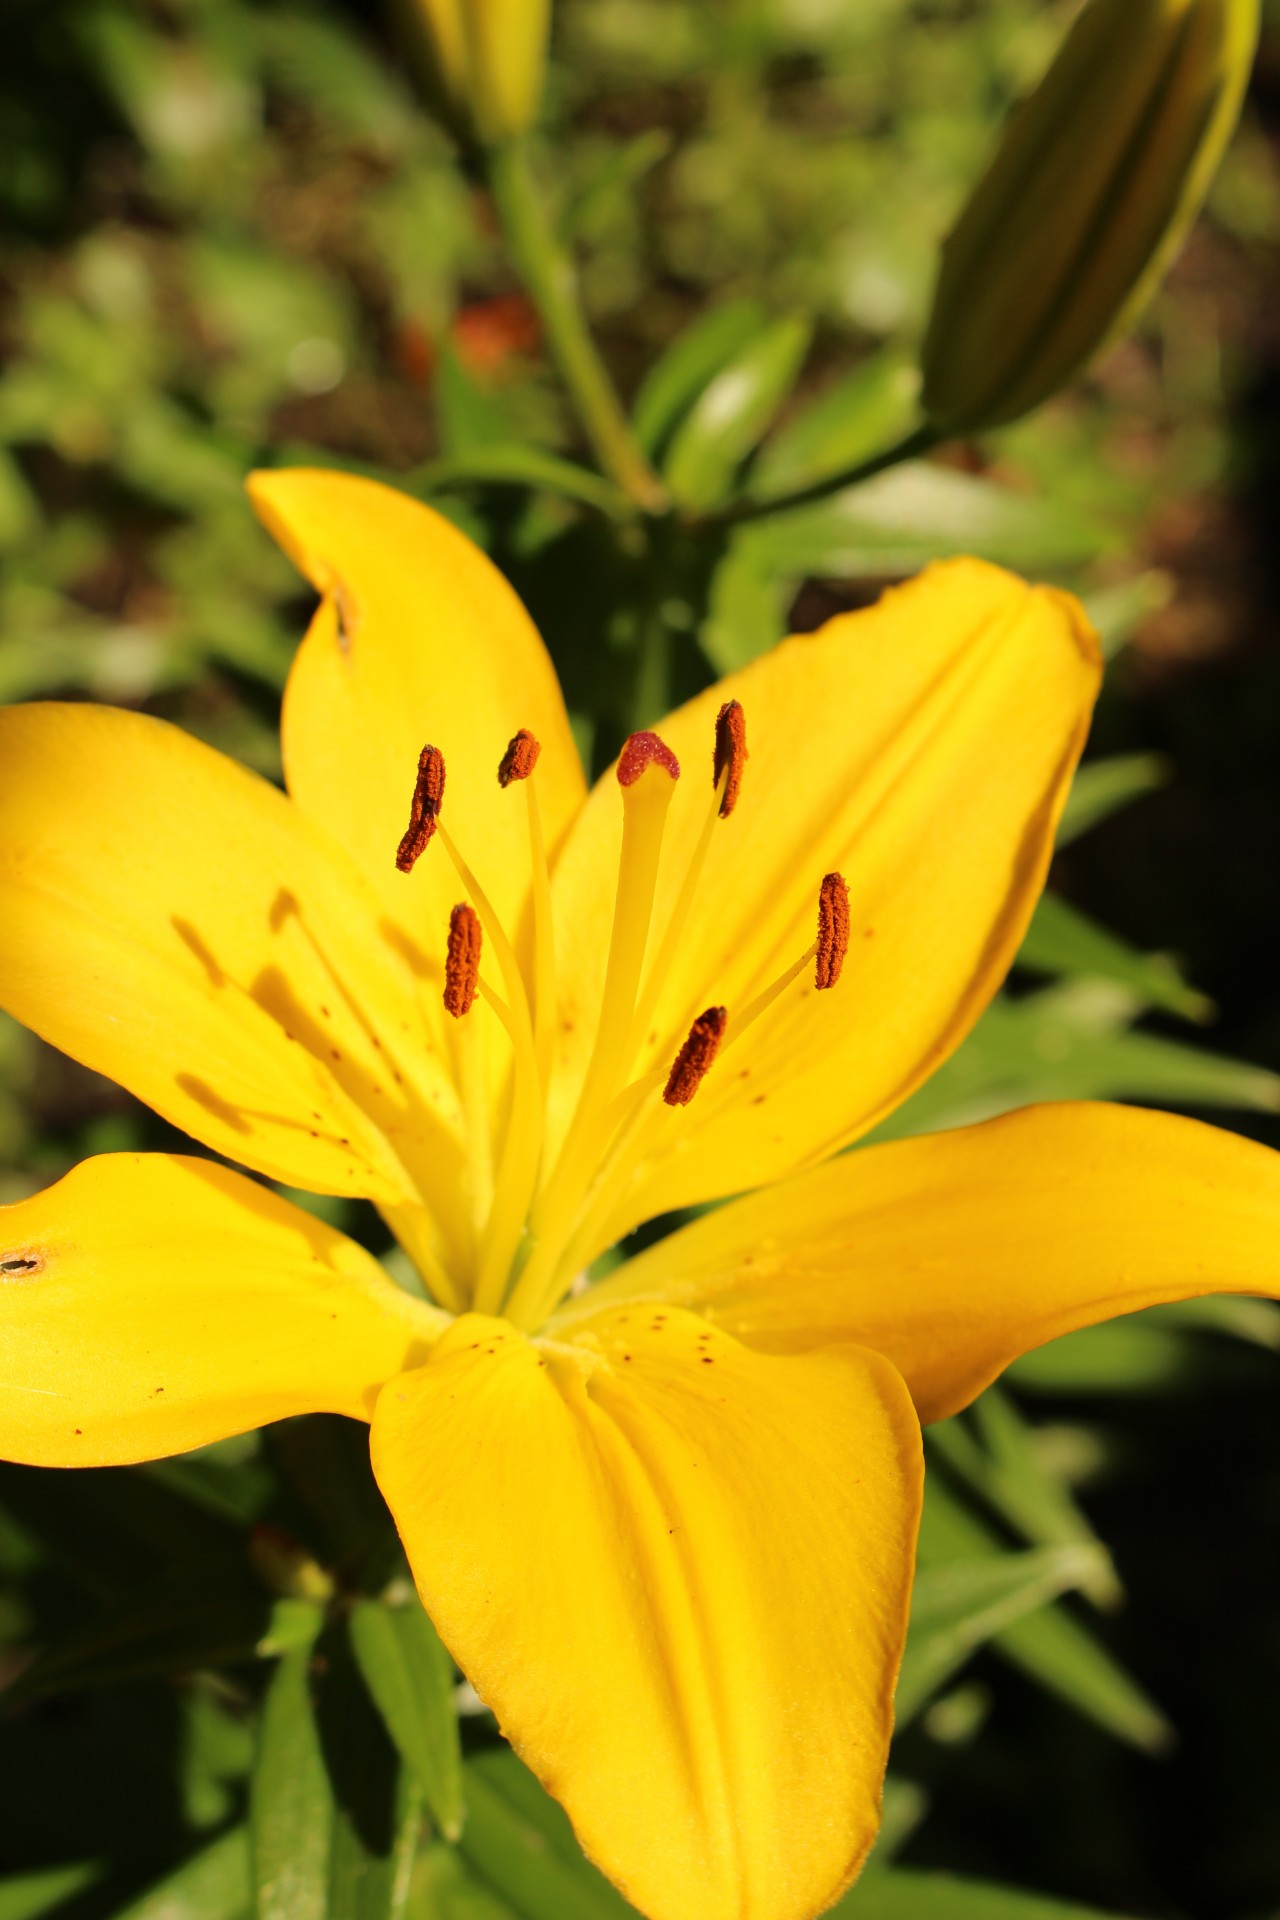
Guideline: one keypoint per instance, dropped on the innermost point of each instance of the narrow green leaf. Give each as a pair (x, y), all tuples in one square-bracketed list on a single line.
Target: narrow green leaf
[(214, 1885), (444, 1888), (918, 512), (1254, 1321), (1118, 611), (899, 1894), (732, 415), (1131, 1355), (292, 1807), (1052, 1647), (1105, 786), (960, 1604), (172, 1628), (1061, 939), (28, 1896), (747, 610), (870, 409), (410, 1677), (1006, 1472), (1070, 1043), (512, 464), (679, 375), (520, 1842)]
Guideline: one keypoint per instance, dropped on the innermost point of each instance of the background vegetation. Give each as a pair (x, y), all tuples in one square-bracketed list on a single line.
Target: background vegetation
[(232, 236)]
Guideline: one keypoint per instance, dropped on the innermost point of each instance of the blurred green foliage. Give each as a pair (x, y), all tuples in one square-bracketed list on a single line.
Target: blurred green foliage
[(232, 236)]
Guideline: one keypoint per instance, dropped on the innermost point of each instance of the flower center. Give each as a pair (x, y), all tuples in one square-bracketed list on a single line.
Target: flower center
[(537, 1216)]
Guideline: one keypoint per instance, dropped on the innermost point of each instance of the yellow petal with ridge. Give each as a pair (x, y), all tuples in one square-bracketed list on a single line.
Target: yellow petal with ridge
[(151, 1303), (678, 1572), (418, 640), (172, 921), (924, 749), (954, 1253)]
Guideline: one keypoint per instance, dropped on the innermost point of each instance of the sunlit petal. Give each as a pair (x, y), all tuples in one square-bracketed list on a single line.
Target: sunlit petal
[(150, 1303), (173, 921), (418, 639), (954, 1253), (923, 749), (678, 1572)]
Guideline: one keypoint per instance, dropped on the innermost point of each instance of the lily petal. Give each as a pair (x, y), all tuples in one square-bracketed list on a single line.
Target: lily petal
[(954, 1253), (923, 749), (151, 1303), (173, 921), (419, 638), (678, 1571)]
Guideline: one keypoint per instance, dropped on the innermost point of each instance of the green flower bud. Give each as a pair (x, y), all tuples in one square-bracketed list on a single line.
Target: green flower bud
[(1097, 179), (489, 56)]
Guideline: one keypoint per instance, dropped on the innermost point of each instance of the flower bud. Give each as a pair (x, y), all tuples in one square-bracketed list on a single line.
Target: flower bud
[(1093, 187), (489, 57)]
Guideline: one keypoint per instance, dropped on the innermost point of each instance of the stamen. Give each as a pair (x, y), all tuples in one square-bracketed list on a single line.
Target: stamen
[(518, 763), (520, 758), (695, 1057), (462, 966), (424, 812), (730, 755), (833, 930)]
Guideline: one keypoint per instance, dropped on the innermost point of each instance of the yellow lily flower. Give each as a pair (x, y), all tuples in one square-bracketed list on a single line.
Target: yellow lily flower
[(664, 1524)]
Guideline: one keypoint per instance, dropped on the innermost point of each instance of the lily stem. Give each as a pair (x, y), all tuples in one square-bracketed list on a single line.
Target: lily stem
[(548, 274), (737, 513)]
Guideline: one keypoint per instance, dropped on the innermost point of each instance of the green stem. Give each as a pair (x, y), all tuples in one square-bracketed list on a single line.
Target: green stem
[(548, 274), (919, 441)]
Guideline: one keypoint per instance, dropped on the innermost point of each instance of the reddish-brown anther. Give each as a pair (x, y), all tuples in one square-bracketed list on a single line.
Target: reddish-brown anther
[(833, 929), (428, 794), (462, 963), (642, 751), (695, 1057), (520, 758), (730, 754)]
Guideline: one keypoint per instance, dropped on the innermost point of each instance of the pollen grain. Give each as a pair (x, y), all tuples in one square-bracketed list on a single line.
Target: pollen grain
[(520, 758), (428, 796), (462, 964), (833, 929)]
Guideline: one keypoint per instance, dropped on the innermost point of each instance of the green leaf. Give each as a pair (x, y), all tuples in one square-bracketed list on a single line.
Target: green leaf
[(444, 1888), (410, 1677), (512, 464), (1131, 1355), (173, 1628), (1117, 612), (1070, 1043), (1104, 786), (958, 1605), (1061, 939), (679, 375), (292, 1808), (731, 415), (214, 1885), (28, 1896), (895, 1893), (1001, 1465), (870, 409), (747, 611), (902, 519), (520, 1842)]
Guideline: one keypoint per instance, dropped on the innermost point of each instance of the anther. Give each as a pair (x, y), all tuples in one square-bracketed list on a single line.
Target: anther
[(730, 754), (462, 963), (428, 794), (642, 751), (520, 758), (694, 1060), (833, 929)]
